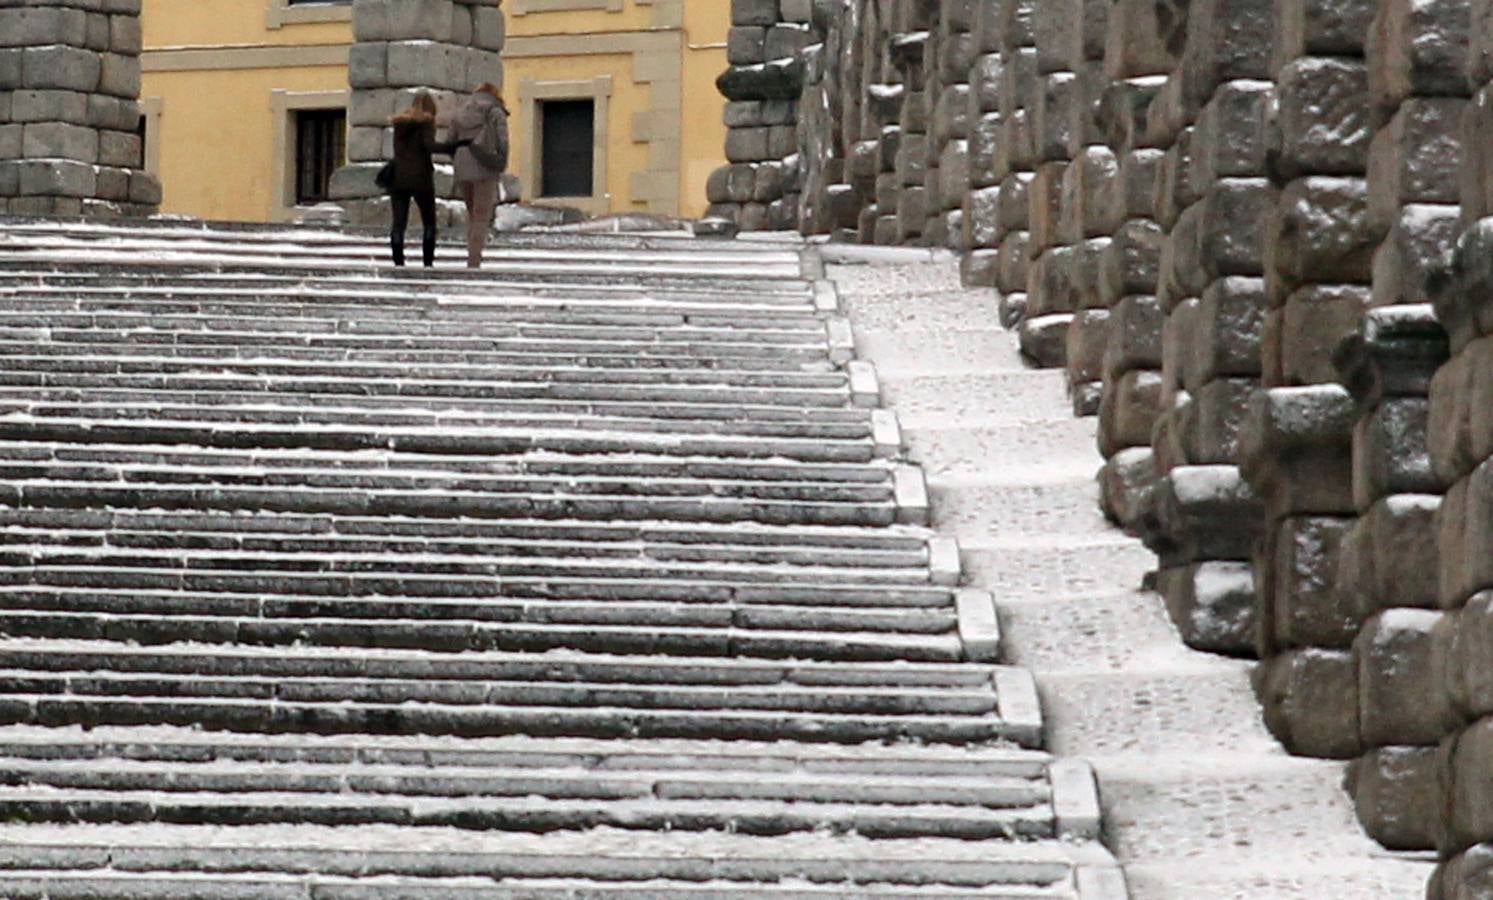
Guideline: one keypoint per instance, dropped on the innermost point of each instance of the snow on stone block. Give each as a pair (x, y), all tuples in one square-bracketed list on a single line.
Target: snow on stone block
[(1310, 700), (1400, 700), (1395, 796), (1212, 604), (979, 626)]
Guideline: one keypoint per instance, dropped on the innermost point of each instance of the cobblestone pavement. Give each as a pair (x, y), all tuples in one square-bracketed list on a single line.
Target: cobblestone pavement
[(1200, 802)]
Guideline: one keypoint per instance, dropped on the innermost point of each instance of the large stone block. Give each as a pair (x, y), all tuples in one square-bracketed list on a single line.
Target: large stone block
[(119, 75), (1132, 261), (55, 178), (1128, 410), (1136, 44), (1203, 513), (1014, 261), (1322, 117), (402, 20), (40, 26), (1228, 331), (1212, 604), (1389, 559), (1411, 263), (1415, 157), (1044, 339), (1226, 40), (1122, 111), (58, 140), (1086, 211), (1231, 132), (1319, 233), (1209, 428), (1449, 422), (1395, 796), (1135, 187), (1321, 27), (60, 68), (1125, 485), (1400, 701), (1296, 450), (1469, 790), (1467, 876), (1088, 335), (1134, 338), (1389, 452), (1306, 608), (1058, 117), (1044, 204), (1418, 47), (1310, 700)]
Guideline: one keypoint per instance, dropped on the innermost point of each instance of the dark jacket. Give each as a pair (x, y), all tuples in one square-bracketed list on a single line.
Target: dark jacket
[(479, 114), (414, 142)]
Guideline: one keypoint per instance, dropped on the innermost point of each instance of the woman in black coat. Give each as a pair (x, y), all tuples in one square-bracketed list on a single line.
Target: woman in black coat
[(412, 174)]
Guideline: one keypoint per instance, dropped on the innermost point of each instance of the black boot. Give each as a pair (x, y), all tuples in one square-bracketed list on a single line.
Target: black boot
[(396, 244), (428, 247)]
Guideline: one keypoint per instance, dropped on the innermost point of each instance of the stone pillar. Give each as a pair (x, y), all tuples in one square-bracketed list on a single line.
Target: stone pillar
[(1298, 457), (1461, 448), (1016, 156), (825, 201), (1216, 200), (948, 177), (69, 110), (447, 47), (1402, 711), (910, 164), (1417, 84), (762, 87), (980, 209)]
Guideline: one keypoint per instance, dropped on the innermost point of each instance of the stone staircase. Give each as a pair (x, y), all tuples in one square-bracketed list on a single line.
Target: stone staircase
[(598, 574)]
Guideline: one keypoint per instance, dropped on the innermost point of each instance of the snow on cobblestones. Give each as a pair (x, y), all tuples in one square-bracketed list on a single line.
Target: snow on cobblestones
[(1200, 802)]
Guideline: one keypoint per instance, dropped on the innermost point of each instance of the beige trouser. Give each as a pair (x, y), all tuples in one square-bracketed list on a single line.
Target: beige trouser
[(481, 198)]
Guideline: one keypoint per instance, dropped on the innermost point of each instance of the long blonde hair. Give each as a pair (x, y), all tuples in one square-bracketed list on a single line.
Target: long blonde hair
[(422, 109)]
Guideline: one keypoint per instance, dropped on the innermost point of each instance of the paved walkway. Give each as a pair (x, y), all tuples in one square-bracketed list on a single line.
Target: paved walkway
[(1200, 802)]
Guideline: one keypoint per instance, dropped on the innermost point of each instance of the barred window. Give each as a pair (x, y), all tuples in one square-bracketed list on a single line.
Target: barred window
[(321, 147)]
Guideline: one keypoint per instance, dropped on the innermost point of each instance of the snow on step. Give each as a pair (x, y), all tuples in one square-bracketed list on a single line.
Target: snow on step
[(593, 573)]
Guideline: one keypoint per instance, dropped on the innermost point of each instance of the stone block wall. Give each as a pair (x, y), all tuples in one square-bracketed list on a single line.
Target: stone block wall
[(401, 47), (1233, 222), (69, 110)]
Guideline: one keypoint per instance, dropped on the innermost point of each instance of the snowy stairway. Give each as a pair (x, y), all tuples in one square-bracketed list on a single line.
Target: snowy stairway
[(596, 574)]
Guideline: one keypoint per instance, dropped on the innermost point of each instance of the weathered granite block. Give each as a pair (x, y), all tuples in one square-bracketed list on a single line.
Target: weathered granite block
[(1212, 604), (1128, 411), (1310, 699), (1132, 260), (1418, 47), (1134, 338), (1399, 700), (1389, 558), (1389, 452), (1415, 254), (1322, 117), (1395, 796), (1415, 157)]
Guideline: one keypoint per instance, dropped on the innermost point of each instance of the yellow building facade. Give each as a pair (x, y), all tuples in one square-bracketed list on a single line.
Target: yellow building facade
[(229, 87)]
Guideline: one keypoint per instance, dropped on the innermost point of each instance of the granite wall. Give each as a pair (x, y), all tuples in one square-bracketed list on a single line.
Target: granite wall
[(69, 110)]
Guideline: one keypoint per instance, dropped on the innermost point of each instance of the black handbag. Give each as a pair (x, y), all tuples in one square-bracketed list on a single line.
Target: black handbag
[(385, 176)]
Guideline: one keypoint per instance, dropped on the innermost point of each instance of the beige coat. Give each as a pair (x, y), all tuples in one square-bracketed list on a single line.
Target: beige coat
[(479, 113)]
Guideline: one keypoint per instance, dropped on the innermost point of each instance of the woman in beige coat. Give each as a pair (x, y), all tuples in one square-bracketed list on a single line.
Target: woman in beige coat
[(481, 128)]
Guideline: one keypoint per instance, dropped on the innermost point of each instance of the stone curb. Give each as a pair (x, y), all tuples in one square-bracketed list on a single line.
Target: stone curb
[(865, 387), (841, 340), (1101, 883), (858, 254), (943, 561), (1020, 708), (910, 490), (886, 433), (826, 297), (979, 627), (1075, 799)]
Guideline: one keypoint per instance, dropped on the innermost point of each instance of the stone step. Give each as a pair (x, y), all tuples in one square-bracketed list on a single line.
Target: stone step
[(17, 265), (60, 687), (966, 452), (363, 862), (975, 506), (222, 536), (495, 440), (22, 245), (530, 242), (560, 784), (768, 503), (491, 299), (978, 400)]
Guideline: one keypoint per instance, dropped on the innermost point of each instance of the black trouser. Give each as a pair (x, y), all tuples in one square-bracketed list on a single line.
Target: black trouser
[(401, 202)]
